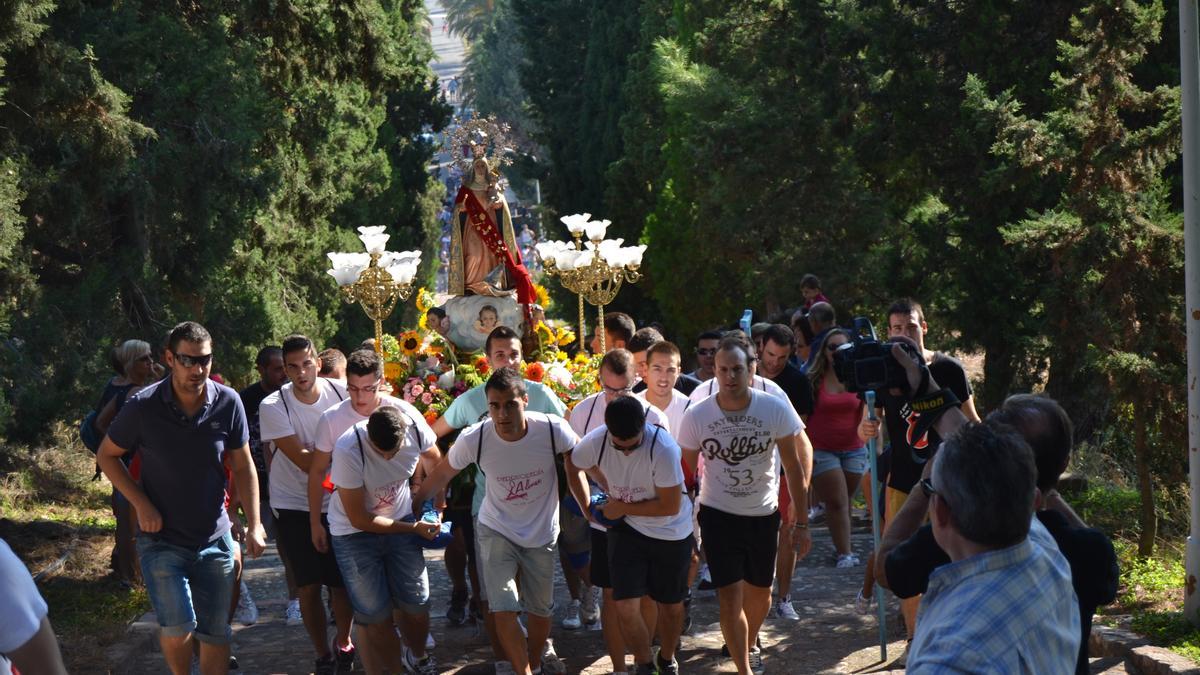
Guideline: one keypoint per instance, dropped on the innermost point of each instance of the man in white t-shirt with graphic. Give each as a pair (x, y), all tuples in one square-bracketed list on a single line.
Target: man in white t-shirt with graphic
[(617, 376), (737, 430), (288, 419), (364, 395), (518, 521), (375, 536), (650, 547)]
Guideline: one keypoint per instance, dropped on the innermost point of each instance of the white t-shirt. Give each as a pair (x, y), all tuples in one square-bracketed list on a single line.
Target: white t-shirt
[(288, 483), (521, 502), (741, 474), (21, 606), (634, 478), (588, 414), (335, 421), (384, 481), (674, 412)]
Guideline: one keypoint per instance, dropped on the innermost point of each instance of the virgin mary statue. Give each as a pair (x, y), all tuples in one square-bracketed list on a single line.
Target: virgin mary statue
[(484, 256)]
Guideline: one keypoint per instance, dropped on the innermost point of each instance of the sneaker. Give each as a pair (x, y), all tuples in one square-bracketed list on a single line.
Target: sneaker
[(426, 666), (816, 515), (247, 612), (457, 613), (706, 583), (430, 643), (572, 621), (326, 665), (687, 613), (551, 664), (233, 664), (504, 668), (344, 658), (663, 667), (589, 608), (292, 616), (783, 609), (756, 664), (862, 604), (644, 669), (847, 560)]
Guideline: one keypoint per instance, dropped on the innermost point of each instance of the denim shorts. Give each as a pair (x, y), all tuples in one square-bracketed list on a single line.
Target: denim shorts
[(849, 461), (190, 590), (500, 562), (383, 572)]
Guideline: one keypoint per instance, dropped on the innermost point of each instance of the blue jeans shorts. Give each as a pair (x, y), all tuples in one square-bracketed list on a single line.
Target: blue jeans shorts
[(383, 572), (190, 590), (849, 461)]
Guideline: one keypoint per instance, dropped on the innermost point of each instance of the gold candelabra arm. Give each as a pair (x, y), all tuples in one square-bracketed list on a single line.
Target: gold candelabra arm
[(377, 293)]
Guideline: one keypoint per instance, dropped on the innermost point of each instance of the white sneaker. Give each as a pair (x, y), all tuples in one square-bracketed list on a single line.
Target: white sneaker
[(784, 610), (430, 643), (572, 621), (589, 608), (862, 604), (847, 560), (704, 578), (756, 664), (293, 617), (551, 664), (247, 612), (504, 668), (817, 513), (426, 666)]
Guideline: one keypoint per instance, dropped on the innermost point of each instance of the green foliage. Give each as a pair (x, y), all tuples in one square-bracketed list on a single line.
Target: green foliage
[(197, 162), (1171, 630)]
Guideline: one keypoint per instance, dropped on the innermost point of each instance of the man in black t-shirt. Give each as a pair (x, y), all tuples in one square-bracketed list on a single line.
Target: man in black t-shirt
[(910, 553), (271, 376), (906, 318)]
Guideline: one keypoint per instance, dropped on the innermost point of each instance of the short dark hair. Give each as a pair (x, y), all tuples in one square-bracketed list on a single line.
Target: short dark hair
[(625, 417), (710, 335), (620, 325), (331, 358), (1047, 429), (801, 324), (437, 311), (810, 281), (758, 329), (297, 343), (386, 427), (364, 362), (506, 379), (986, 475), (822, 313), (490, 308), (643, 339), (189, 331), (664, 347), (780, 335), (266, 354), (500, 332), (618, 361), (906, 306), (737, 340)]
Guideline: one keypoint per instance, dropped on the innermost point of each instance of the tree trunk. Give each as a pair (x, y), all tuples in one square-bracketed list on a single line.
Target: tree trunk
[(999, 371), (1147, 519)]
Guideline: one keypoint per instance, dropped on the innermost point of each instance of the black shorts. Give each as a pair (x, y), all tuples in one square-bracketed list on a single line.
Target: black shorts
[(739, 548), (642, 565), (599, 568), (309, 566)]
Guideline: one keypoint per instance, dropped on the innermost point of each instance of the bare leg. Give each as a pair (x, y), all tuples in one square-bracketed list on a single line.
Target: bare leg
[(785, 559), (489, 626), (512, 641), (614, 640), (756, 602), (343, 616), (633, 627), (734, 627), (214, 659), (384, 643), (456, 563), (831, 486), (539, 632), (670, 626), (570, 574), (178, 653), (313, 611), (415, 628)]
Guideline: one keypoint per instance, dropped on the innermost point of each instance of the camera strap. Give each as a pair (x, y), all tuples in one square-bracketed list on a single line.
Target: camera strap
[(930, 407)]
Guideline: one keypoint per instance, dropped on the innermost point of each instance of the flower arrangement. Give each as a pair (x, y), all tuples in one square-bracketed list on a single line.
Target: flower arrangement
[(572, 380), (426, 396)]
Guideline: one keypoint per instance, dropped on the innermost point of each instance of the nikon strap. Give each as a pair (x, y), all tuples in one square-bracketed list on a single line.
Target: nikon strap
[(929, 409)]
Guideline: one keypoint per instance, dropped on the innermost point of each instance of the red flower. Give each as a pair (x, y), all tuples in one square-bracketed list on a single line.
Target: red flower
[(431, 379), (481, 365), (535, 372)]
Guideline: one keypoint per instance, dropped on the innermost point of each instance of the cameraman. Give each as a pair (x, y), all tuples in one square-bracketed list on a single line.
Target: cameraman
[(906, 319)]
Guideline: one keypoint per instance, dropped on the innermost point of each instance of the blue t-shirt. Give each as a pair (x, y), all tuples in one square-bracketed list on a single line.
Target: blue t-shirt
[(182, 470)]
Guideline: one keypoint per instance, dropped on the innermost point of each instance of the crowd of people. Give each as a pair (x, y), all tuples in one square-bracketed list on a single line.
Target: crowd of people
[(660, 483)]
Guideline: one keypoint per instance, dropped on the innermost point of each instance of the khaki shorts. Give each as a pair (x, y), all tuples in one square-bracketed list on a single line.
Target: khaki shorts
[(500, 561)]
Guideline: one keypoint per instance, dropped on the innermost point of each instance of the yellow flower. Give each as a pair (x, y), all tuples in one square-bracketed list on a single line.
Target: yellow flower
[(543, 295), (422, 322), (565, 337), (392, 370), (424, 302), (545, 333), (410, 342), (581, 358)]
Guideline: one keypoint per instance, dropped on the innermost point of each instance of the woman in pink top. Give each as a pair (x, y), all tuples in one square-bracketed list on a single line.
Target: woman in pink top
[(839, 458)]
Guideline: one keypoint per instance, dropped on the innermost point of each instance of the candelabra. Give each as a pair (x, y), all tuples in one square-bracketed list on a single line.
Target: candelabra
[(594, 269), (377, 279)]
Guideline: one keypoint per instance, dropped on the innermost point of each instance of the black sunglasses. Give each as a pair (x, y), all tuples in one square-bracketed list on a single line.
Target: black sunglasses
[(189, 361)]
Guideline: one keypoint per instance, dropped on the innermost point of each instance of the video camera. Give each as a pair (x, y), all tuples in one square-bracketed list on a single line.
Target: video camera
[(866, 364)]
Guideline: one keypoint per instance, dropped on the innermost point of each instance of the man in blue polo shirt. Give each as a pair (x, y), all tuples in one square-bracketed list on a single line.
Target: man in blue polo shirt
[(184, 426)]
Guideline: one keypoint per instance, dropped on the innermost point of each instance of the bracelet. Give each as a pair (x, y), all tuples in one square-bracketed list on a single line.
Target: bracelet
[(799, 526)]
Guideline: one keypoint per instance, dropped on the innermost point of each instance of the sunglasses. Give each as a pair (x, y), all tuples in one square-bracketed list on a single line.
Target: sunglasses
[(190, 361), (927, 487), (706, 352), (834, 348)]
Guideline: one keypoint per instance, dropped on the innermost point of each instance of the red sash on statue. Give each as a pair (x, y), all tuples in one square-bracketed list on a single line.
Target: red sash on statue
[(493, 238)]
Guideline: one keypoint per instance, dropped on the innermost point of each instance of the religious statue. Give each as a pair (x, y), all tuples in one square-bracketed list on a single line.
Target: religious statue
[(484, 256)]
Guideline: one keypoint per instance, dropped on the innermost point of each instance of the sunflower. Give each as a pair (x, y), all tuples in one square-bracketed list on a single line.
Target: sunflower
[(410, 342), (424, 301), (392, 370), (565, 337), (545, 333), (543, 295)]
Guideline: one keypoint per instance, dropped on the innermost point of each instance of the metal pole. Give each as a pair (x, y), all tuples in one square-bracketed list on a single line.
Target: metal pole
[(874, 463), (1189, 75)]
